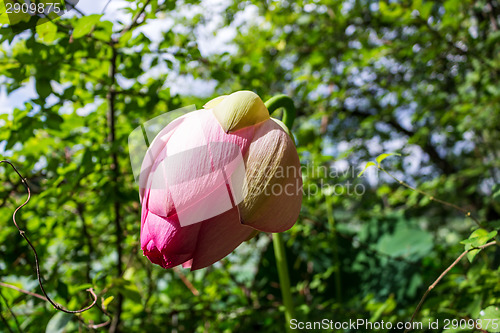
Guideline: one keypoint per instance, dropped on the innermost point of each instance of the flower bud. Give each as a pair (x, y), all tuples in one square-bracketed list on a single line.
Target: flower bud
[(218, 176)]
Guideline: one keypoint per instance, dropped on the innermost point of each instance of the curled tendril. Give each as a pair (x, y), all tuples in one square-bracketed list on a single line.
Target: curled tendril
[(37, 264)]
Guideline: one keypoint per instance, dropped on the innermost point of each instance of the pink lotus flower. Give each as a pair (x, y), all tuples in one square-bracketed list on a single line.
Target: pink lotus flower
[(214, 178)]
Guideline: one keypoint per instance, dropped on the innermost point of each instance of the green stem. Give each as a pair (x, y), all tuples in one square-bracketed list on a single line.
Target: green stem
[(333, 229), (281, 264), (285, 102)]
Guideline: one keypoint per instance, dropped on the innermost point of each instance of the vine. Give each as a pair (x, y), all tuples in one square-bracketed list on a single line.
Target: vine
[(45, 296), (474, 243)]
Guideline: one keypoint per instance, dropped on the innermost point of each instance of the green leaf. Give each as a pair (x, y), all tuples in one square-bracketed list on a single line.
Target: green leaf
[(125, 38), (495, 192), (47, 32), (368, 164), (478, 238), (84, 25), (43, 88), (490, 318), (104, 31), (425, 10), (397, 244), (107, 301), (472, 254), (382, 157), (58, 322)]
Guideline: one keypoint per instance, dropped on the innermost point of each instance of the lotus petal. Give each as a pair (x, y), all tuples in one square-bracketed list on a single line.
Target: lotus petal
[(239, 110), (218, 237), (273, 188)]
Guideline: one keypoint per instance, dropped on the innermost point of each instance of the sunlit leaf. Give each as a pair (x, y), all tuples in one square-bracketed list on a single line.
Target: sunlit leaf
[(382, 157), (85, 25), (367, 165)]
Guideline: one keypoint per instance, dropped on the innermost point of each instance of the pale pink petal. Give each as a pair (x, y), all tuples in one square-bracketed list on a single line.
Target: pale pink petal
[(157, 197), (218, 237), (273, 189), (154, 150), (200, 159), (215, 132)]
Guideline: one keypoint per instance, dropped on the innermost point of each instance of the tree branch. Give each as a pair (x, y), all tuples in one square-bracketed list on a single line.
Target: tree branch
[(432, 198), (37, 263), (115, 168), (11, 313), (440, 162), (80, 211), (136, 18), (442, 275), (428, 148), (43, 298)]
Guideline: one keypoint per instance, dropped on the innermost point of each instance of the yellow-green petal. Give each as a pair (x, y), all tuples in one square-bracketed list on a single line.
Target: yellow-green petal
[(239, 110), (213, 102)]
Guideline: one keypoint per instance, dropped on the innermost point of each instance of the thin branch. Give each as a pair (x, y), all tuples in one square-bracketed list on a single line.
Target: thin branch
[(106, 7), (80, 212), (37, 263), (6, 285), (438, 36), (136, 18), (442, 163), (11, 313), (5, 320), (432, 198), (111, 97), (104, 324), (443, 274), (188, 283), (77, 10)]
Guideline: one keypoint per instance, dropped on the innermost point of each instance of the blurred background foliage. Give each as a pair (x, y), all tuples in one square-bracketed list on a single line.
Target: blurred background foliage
[(420, 78)]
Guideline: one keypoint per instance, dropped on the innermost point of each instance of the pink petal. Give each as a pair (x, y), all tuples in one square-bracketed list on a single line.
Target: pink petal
[(218, 237), (188, 264), (190, 185), (273, 195), (166, 243), (154, 150), (200, 159), (157, 195)]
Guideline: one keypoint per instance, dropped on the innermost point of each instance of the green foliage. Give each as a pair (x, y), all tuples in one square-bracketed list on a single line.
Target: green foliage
[(478, 238), (85, 25), (58, 322)]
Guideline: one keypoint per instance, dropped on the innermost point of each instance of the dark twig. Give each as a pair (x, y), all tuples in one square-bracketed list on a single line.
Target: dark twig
[(37, 263), (11, 313), (80, 213), (135, 20), (6, 285), (6, 324), (432, 198), (442, 275), (105, 7), (188, 283), (111, 97)]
